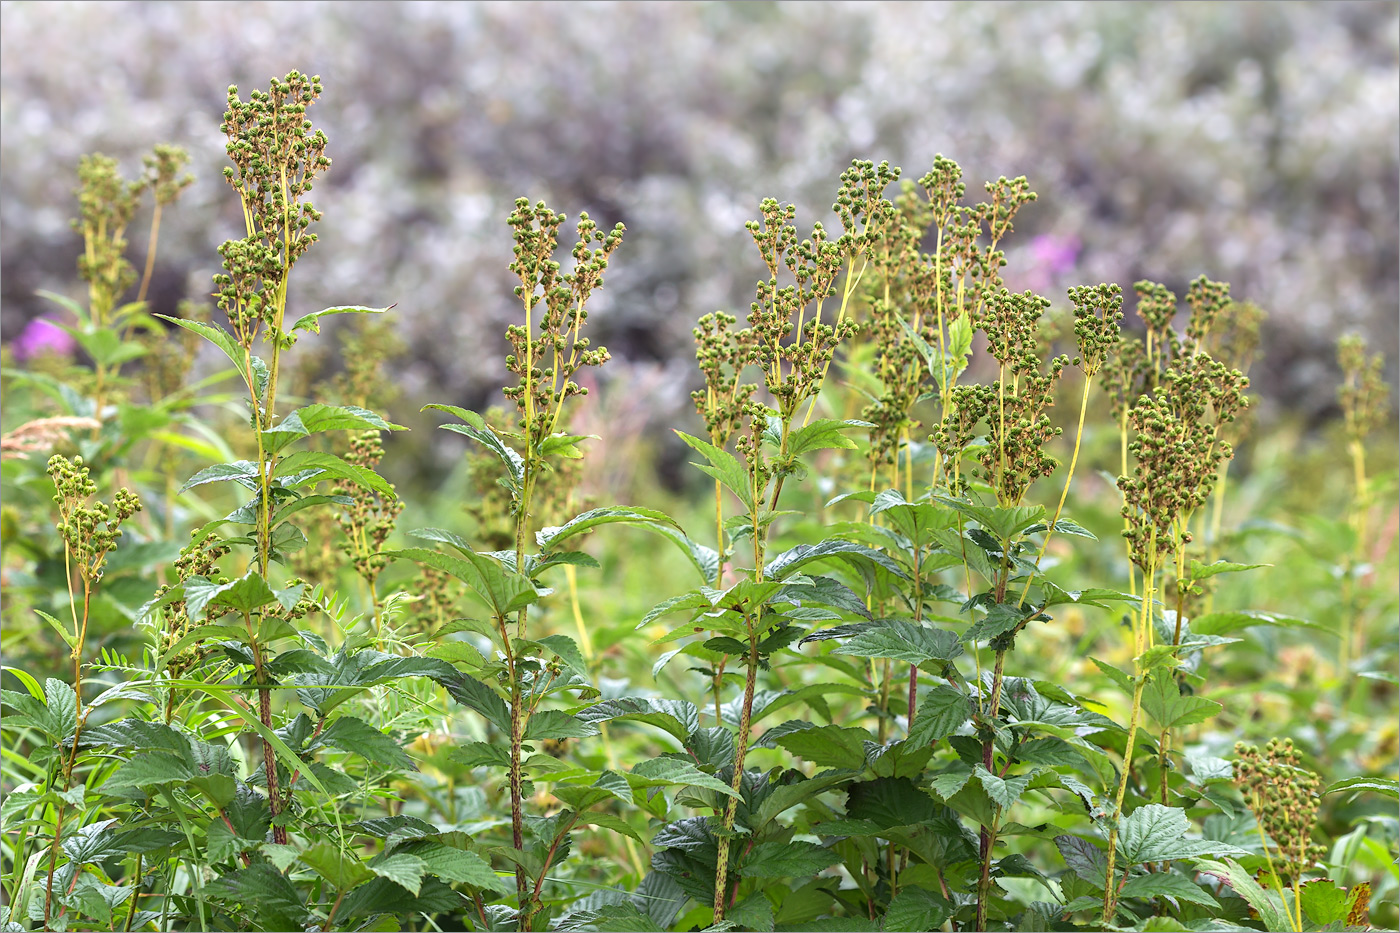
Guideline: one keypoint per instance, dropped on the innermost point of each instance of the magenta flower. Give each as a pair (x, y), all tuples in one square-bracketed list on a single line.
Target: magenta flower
[(42, 335)]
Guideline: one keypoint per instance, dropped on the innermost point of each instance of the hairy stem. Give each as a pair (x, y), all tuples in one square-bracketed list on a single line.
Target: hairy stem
[(737, 782)]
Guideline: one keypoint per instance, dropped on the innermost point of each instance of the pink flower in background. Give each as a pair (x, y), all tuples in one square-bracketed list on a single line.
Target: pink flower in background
[(1052, 256), (42, 335)]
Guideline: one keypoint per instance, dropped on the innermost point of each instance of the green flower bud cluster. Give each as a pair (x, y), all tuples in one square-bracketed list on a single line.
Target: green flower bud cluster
[(549, 349), (1364, 395), (1157, 308), (793, 368), (1014, 410), (1237, 339), (276, 157), (198, 558), (750, 444), (106, 205), (1284, 798), (861, 204), (1098, 319), (162, 173), (722, 354), (369, 520), (1127, 375), (89, 529), (903, 293), (945, 188), (1011, 324), (247, 288), (1179, 449), (1207, 299)]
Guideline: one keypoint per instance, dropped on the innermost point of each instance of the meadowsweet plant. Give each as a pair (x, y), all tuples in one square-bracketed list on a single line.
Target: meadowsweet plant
[(1364, 397), (889, 690)]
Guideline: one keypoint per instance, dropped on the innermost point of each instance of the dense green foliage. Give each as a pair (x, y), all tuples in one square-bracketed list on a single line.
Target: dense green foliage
[(899, 673)]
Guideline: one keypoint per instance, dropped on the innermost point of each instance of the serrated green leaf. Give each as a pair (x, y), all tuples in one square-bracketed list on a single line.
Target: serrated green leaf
[(941, 711), (678, 717), (1324, 902), (314, 466), (914, 909), (902, 641), (1376, 785), (724, 467), (556, 724), (1004, 792), (341, 869), (822, 434), (1200, 571), (475, 695), (358, 737), (1223, 623), (1165, 884), (1270, 909), (828, 746), (215, 335), (660, 772), (787, 860), (459, 866), (503, 590), (548, 538), (1163, 700), (312, 322), (1002, 523), (478, 430), (1154, 833), (243, 472), (857, 555), (404, 870)]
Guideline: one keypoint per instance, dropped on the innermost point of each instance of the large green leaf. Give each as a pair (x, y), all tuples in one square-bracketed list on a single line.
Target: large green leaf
[(503, 590), (824, 433), (724, 467), (1002, 523), (914, 909), (474, 694), (1386, 787), (478, 430), (217, 336), (350, 734), (857, 555), (548, 538), (901, 641), (1004, 792), (829, 746), (787, 860), (458, 866), (313, 419), (243, 472), (1164, 702), (1223, 623), (313, 466), (1271, 910), (665, 772), (1165, 884), (404, 870), (678, 717), (890, 802), (941, 711), (557, 724), (342, 869), (1154, 833)]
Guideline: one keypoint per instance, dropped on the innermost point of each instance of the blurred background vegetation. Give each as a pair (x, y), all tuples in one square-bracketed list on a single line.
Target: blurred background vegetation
[(1253, 142)]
